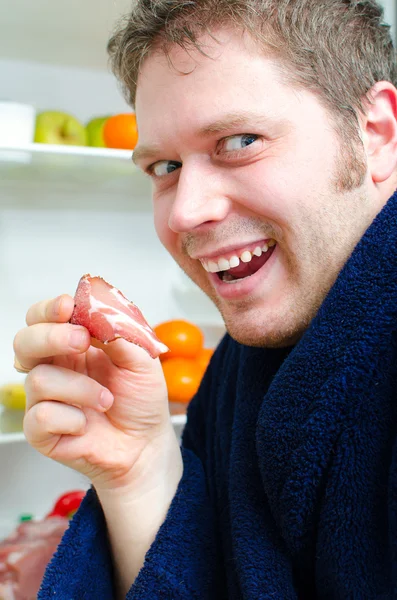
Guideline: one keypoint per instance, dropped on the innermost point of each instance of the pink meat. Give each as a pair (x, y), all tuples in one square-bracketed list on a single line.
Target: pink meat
[(9, 591), (49, 528), (108, 315), (30, 564), (24, 556)]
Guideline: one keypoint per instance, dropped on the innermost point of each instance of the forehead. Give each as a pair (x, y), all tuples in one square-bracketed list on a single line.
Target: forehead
[(233, 66), (183, 94)]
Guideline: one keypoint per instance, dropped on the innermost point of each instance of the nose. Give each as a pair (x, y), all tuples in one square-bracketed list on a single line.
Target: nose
[(200, 198)]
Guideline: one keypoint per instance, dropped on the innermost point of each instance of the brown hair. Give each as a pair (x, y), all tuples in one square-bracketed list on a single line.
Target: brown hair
[(338, 49)]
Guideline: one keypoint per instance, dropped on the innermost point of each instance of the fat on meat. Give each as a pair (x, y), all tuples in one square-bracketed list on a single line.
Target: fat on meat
[(109, 315)]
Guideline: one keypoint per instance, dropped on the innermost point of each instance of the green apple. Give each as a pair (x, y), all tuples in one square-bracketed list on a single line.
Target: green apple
[(95, 132), (53, 127)]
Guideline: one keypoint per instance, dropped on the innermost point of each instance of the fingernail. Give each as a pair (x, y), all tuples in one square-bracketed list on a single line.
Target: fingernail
[(57, 306), (77, 338), (106, 399)]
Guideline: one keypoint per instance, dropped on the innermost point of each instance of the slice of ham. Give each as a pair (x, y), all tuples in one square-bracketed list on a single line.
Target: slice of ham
[(108, 315)]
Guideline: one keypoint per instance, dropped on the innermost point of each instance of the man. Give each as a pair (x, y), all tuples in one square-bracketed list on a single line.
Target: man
[(269, 130)]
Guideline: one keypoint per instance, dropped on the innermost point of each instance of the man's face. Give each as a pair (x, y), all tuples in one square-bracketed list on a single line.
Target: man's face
[(245, 178)]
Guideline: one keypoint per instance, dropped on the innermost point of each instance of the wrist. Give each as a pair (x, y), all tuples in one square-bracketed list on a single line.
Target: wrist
[(134, 513), (158, 469)]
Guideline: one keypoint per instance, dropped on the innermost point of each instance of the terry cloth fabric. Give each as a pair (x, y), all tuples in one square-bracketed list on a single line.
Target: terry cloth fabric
[(289, 488)]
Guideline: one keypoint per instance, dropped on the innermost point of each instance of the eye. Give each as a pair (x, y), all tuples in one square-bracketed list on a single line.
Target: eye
[(238, 142), (163, 167)]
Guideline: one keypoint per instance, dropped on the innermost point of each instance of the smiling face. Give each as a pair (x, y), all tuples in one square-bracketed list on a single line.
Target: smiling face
[(246, 173)]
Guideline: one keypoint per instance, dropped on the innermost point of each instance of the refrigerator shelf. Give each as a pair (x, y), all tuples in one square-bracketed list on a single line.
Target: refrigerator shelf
[(178, 422), (39, 174)]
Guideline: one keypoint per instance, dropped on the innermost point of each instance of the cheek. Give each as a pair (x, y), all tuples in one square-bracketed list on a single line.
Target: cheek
[(172, 243)]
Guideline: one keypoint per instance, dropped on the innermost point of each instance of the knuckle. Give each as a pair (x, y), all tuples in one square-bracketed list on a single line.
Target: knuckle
[(35, 380), (42, 415), (53, 339), (29, 427)]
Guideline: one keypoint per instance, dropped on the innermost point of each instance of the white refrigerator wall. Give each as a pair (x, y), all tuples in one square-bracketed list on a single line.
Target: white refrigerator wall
[(390, 7), (85, 93)]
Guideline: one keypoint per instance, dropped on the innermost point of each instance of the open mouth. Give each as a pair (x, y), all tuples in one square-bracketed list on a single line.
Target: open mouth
[(245, 270), (236, 268)]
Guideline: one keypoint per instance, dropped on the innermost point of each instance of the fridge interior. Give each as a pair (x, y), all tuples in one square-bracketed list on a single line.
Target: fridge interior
[(66, 211)]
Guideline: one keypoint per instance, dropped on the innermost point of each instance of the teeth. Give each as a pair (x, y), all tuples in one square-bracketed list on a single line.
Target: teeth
[(246, 257), (213, 267), (224, 265), (234, 262)]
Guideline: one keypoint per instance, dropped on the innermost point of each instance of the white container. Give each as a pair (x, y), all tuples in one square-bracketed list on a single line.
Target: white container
[(17, 123)]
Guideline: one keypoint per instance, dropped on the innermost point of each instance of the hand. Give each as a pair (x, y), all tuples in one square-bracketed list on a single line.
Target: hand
[(101, 410)]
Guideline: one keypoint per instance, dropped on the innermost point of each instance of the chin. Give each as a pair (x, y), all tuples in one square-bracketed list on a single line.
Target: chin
[(258, 336), (263, 326), (277, 323)]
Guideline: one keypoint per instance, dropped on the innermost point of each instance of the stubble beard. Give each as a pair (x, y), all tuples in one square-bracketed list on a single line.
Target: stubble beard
[(246, 322)]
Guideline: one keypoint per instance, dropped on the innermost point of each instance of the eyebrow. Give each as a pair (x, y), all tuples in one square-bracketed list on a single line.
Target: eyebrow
[(237, 119), (144, 152), (227, 123)]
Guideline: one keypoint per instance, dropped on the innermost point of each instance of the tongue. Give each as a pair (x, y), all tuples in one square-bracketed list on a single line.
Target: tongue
[(246, 269)]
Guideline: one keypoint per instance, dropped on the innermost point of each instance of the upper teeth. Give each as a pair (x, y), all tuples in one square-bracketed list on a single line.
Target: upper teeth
[(223, 264)]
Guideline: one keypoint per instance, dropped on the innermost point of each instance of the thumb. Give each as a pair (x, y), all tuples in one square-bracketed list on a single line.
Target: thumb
[(126, 355)]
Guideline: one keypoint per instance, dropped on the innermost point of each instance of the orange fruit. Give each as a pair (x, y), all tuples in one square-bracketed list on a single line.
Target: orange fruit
[(204, 357), (184, 339), (183, 377), (120, 131)]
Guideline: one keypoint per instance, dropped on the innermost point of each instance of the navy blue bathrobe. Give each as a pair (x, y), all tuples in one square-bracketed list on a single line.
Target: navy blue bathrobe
[(289, 488)]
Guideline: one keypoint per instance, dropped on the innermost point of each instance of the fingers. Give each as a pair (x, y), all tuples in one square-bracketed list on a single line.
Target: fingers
[(43, 340), (56, 310), (48, 419), (66, 387), (127, 355)]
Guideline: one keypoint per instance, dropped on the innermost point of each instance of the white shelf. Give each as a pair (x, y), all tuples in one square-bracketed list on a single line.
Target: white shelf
[(37, 174), (11, 152), (178, 421), (9, 438)]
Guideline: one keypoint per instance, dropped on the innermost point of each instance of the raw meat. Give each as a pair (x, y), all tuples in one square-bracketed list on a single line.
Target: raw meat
[(108, 315), (25, 554)]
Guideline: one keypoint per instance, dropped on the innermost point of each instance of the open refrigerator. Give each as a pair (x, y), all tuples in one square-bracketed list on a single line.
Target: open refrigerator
[(66, 210)]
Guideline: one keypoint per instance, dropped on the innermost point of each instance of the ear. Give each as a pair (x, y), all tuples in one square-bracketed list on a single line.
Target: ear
[(380, 131)]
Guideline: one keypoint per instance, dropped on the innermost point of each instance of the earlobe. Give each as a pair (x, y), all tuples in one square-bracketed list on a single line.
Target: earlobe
[(381, 132)]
